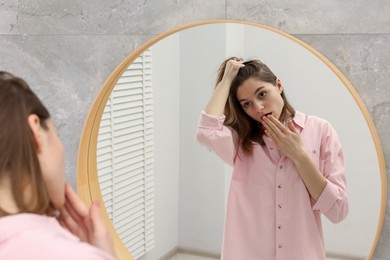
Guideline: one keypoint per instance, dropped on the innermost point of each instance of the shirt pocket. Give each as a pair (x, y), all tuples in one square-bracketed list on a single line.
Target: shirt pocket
[(313, 153)]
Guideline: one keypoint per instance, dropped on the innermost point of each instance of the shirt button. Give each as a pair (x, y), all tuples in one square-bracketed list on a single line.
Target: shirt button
[(271, 148), (280, 246), (280, 227), (281, 167), (279, 206), (279, 186)]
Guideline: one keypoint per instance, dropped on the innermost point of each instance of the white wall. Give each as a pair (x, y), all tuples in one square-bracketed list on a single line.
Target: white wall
[(202, 177), (189, 179), (166, 129)]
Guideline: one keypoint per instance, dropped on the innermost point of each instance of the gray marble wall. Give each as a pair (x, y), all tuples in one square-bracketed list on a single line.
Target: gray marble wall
[(67, 49)]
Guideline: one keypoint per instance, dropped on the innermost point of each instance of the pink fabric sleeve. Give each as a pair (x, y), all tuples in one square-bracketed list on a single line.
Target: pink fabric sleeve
[(333, 201), (216, 137)]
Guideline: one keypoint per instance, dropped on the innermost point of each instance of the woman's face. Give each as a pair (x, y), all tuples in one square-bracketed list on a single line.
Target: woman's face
[(259, 98), (51, 159)]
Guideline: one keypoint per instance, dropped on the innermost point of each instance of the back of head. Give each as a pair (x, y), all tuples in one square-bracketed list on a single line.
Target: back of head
[(19, 164)]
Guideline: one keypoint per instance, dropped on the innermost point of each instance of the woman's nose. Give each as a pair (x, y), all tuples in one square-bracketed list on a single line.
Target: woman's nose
[(259, 107)]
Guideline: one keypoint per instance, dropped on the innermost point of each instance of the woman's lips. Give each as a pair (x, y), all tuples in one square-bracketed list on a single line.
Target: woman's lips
[(266, 114)]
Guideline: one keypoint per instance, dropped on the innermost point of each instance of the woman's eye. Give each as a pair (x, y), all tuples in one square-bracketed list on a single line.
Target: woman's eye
[(262, 94), (246, 104)]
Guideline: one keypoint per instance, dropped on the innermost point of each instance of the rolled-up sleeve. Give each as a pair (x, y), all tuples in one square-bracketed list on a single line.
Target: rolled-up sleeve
[(333, 201), (218, 138)]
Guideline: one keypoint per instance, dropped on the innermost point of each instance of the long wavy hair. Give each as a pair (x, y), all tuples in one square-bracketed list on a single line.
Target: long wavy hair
[(19, 164), (249, 130)]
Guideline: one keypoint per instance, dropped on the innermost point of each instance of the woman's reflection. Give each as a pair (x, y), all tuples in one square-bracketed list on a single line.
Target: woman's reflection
[(288, 167)]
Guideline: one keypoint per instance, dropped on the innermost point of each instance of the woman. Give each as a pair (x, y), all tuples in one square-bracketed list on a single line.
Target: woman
[(38, 212), (288, 167)]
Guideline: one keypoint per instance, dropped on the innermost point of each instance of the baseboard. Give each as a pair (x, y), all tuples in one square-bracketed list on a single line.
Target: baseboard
[(189, 251), (197, 252), (344, 256), (170, 254)]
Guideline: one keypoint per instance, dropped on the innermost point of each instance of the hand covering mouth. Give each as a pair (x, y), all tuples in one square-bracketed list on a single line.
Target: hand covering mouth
[(266, 114)]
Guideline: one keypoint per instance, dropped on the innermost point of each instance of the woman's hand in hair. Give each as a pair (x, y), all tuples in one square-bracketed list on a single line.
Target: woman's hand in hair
[(231, 69), (86, 223), (220, 96)]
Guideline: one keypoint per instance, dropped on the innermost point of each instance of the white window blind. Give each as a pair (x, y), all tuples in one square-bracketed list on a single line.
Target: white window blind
[(125, 157)]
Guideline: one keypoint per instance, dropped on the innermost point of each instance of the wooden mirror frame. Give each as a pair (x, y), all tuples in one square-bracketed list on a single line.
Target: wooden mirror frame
[(87, 176)]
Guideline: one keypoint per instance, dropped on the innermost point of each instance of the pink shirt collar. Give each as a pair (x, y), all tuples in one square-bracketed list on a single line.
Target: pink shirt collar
[(299, 119)]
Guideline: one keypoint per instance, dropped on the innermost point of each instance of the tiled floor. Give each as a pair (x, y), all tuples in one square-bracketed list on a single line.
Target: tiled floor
[(192, 257)]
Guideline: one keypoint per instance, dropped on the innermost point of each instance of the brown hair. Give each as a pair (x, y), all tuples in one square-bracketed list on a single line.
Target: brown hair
[(18, 156), (249, 130)]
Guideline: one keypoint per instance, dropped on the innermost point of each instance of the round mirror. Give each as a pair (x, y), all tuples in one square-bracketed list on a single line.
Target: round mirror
[(185, 186)]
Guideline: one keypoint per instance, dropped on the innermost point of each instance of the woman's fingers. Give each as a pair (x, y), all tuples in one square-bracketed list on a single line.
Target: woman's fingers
[(291, 126), (86, 223), (75, 202), (97, 222), (286, 138), (74, 225), (276, 125), (279, 133), (75, 214), (274, 129), (232, 68), (71, 212), (100, 235)]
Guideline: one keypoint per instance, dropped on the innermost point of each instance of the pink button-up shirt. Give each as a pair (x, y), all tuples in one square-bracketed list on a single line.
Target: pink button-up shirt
[(270, 214), (32, 236)]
